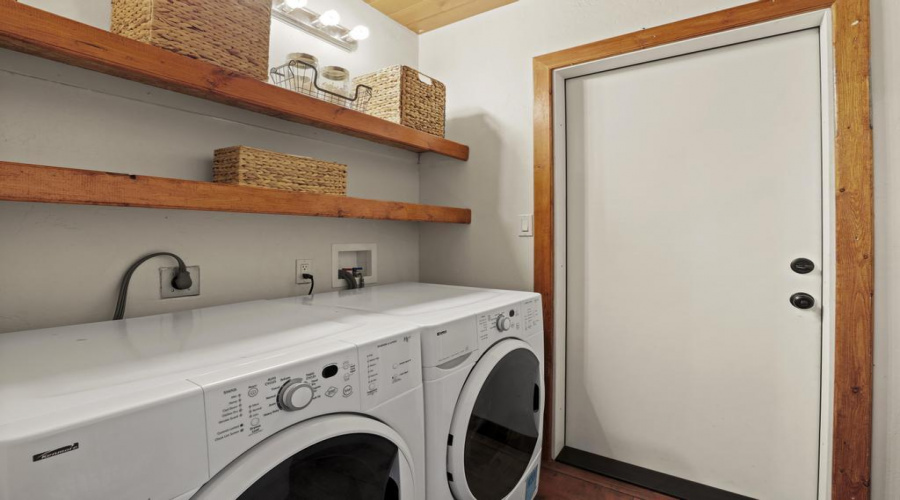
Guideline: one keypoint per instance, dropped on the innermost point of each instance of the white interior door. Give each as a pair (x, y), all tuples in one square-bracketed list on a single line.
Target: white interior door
[(692, 184)]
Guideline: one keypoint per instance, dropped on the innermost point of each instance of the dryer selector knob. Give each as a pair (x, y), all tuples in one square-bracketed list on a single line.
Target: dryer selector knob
[(503, 323), (295, 396)]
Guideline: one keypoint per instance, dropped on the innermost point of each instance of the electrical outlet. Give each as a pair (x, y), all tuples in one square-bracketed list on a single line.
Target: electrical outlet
[(304, 266), (167, 291)]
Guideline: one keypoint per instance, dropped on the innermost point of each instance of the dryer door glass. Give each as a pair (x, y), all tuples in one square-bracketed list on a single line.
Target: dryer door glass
[(347, 467), (503, 429)]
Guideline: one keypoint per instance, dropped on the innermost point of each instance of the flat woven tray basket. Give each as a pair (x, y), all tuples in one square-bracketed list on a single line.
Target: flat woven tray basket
[(256, 167), (402, 95), (233, 34)]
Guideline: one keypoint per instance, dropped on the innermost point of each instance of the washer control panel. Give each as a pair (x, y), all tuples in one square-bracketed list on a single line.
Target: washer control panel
[(389, 367), (250, 402), (521, 320)]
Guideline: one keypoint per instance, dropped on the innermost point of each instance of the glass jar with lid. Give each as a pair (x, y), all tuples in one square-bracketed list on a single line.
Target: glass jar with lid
[(303, 71), (336, 80)]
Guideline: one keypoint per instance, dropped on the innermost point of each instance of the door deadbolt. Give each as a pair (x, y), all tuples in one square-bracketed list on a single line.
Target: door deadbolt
[(802, 266), (802, 300)]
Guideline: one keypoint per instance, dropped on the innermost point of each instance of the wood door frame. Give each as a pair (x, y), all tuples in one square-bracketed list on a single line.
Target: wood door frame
[(853, 208)]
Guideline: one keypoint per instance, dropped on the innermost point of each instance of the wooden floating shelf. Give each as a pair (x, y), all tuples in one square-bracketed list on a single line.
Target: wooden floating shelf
[(33, 31), (35, 183)]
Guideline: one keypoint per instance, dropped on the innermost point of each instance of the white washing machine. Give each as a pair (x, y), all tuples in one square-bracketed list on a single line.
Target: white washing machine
[(482, 356), (257, 400)]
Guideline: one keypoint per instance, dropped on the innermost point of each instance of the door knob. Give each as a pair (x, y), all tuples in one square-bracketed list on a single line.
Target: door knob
[(802, 300), (802, 266)]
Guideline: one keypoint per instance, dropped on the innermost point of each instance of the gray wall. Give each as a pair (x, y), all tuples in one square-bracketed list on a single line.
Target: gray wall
[(486, 63), (62, 264)]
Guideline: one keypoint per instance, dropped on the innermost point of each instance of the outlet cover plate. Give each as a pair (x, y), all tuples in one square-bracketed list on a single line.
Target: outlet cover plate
[(304, 266), (167, 274)]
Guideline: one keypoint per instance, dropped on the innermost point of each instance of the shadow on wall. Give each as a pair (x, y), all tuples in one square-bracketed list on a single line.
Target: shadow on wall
[(445, 249), (96, 13)]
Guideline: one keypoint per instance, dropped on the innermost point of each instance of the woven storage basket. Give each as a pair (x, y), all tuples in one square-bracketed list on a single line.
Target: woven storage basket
[(255, 167), (399, 95), (233, 34)]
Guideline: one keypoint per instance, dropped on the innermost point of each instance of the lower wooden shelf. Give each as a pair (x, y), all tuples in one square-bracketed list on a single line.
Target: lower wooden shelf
[(42, 184)]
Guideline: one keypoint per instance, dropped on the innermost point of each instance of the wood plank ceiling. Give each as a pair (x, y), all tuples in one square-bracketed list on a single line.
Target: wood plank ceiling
[(426, 15)]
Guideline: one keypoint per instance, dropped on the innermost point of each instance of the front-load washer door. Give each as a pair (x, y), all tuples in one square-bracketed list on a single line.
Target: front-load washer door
[(496, 427), (335, 457)]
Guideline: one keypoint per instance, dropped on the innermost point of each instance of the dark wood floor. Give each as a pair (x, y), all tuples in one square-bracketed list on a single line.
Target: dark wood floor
[(561, 482)]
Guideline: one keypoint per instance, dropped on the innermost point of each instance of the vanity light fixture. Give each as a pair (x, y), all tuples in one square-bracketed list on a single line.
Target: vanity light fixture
[(325, 25), (359, 33), (291, 5), (329, 18)]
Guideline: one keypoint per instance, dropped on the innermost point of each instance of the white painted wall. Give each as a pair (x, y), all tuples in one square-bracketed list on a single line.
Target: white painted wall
[(62, 264), (389, 42), (486, 63)]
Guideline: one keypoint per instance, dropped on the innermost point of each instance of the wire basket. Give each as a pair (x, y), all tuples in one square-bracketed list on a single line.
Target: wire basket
[(304, 79)]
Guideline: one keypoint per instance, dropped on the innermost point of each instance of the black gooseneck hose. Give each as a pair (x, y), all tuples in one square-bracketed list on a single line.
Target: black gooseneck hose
[(182, 280), (348, 277)]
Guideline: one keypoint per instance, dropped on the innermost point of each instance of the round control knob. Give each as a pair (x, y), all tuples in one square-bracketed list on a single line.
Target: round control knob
[(295, 396), (503, 323)]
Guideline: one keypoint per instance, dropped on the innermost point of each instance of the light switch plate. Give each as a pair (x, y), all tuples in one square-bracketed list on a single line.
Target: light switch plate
[(167, 274), (526, 225)]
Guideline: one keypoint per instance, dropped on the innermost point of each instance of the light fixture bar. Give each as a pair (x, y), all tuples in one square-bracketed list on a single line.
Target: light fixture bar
[(307, 20)]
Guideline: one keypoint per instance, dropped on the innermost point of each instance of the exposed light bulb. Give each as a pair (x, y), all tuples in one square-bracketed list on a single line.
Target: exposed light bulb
[(330, 18), (290, 5), (359, 33)]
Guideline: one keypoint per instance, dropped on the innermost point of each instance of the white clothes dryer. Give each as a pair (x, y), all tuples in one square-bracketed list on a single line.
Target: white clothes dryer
[(247, 401), (482, 355)]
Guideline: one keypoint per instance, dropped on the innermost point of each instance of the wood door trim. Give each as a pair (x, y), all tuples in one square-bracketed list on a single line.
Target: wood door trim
[(854, 208)]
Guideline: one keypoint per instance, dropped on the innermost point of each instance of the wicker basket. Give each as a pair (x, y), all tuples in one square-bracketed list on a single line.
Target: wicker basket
[(233, 34), (255, 167), (402, 95)]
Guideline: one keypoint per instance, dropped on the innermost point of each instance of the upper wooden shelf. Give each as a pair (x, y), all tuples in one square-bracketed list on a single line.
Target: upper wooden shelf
[(33, 31), (41, 184)]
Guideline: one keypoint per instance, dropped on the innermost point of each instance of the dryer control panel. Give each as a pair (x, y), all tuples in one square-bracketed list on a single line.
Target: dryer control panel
[(449, 342), (250, 402), (445, 345), (521, 320)]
